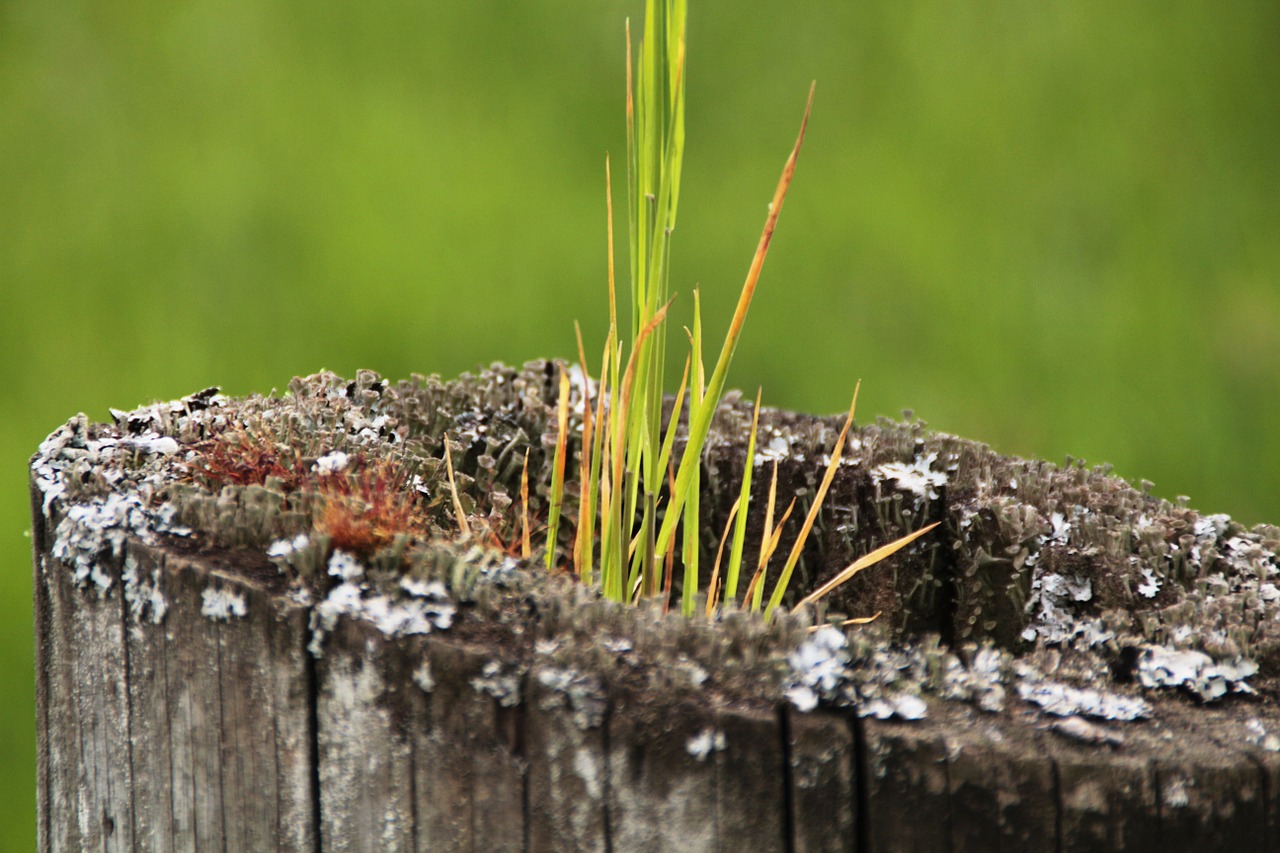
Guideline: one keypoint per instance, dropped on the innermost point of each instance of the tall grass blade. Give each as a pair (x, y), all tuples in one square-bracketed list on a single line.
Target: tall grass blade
[(668, 443), (692, 540), (755, 592), (584, 539), (526, 549), (616, 579), (700, 421)]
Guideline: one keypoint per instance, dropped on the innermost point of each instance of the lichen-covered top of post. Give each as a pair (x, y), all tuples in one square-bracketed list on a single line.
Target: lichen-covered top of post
[(1059, 586)]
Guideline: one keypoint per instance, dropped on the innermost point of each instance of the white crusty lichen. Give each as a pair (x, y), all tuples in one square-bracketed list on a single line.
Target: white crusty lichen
[(878, 683), (501, 681), (144, 598), (417, 607), (1063, 700), (1194, 671), (85, 472), (583, 694), (89, 531), (709, 740), (917, 477), (423, 678), (284, 548), (1259, 736), (331, 463), (345, 566), (223, 604)]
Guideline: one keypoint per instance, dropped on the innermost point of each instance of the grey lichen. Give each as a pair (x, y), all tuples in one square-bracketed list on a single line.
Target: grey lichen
[(582, 693), (1194, 671)]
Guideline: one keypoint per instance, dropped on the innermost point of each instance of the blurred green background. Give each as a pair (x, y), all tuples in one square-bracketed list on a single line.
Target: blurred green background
[(1051, 226)]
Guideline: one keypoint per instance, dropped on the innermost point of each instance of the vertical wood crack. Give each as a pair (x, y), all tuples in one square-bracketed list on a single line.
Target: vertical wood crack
[(313, 737), (1056, 778), (788, 780), (861, 786)]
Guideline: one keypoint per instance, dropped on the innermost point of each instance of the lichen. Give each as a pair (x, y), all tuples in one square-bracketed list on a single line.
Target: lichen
[(705, 742), (223, 604), (500, 681), (582, 693), (143, 596), (409, 606)]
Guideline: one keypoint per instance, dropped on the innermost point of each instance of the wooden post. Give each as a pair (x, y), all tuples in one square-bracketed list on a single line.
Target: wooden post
[(192, 696), (201, 732), (182, 722)]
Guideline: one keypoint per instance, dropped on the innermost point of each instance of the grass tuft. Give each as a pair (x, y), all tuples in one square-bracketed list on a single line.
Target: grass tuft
[(644, 502)]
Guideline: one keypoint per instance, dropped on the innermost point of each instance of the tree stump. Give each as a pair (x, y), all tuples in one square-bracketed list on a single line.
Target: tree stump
[(237, 649)]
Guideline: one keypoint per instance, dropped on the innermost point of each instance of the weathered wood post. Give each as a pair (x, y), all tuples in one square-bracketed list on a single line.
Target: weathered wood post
[(239, 649)]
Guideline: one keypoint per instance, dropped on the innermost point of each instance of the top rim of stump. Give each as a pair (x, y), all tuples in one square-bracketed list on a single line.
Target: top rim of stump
[(1056, 589)]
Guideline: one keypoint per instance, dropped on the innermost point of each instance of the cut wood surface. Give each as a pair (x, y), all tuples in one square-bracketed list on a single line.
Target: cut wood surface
[(195, 693)]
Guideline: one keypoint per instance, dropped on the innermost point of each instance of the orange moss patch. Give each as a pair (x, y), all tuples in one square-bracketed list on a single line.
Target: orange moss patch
[(367, 508)]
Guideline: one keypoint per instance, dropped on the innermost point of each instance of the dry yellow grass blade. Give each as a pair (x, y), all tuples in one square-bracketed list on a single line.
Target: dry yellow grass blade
[(584, 540), (664, 455), (557, 471), (780, 588), (867, 560), (463, 527), (755, 589), (768, 516), (713, 588), (526, 549), (857, 620)]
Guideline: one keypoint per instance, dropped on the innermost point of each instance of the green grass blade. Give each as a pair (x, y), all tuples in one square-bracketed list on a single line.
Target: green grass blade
[(744, 498), (620, 419), (691, 544)]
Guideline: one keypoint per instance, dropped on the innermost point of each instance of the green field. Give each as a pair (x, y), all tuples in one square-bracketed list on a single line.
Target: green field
[(1054, 227)]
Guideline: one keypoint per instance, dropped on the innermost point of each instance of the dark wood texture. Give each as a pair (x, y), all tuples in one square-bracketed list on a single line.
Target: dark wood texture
[(195, 732)]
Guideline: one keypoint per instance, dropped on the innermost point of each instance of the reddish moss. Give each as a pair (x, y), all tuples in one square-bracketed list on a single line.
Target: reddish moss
[(242, 458), (368, 507)]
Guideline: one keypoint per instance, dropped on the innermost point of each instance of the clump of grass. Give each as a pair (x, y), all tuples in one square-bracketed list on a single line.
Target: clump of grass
[(630, 483)]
